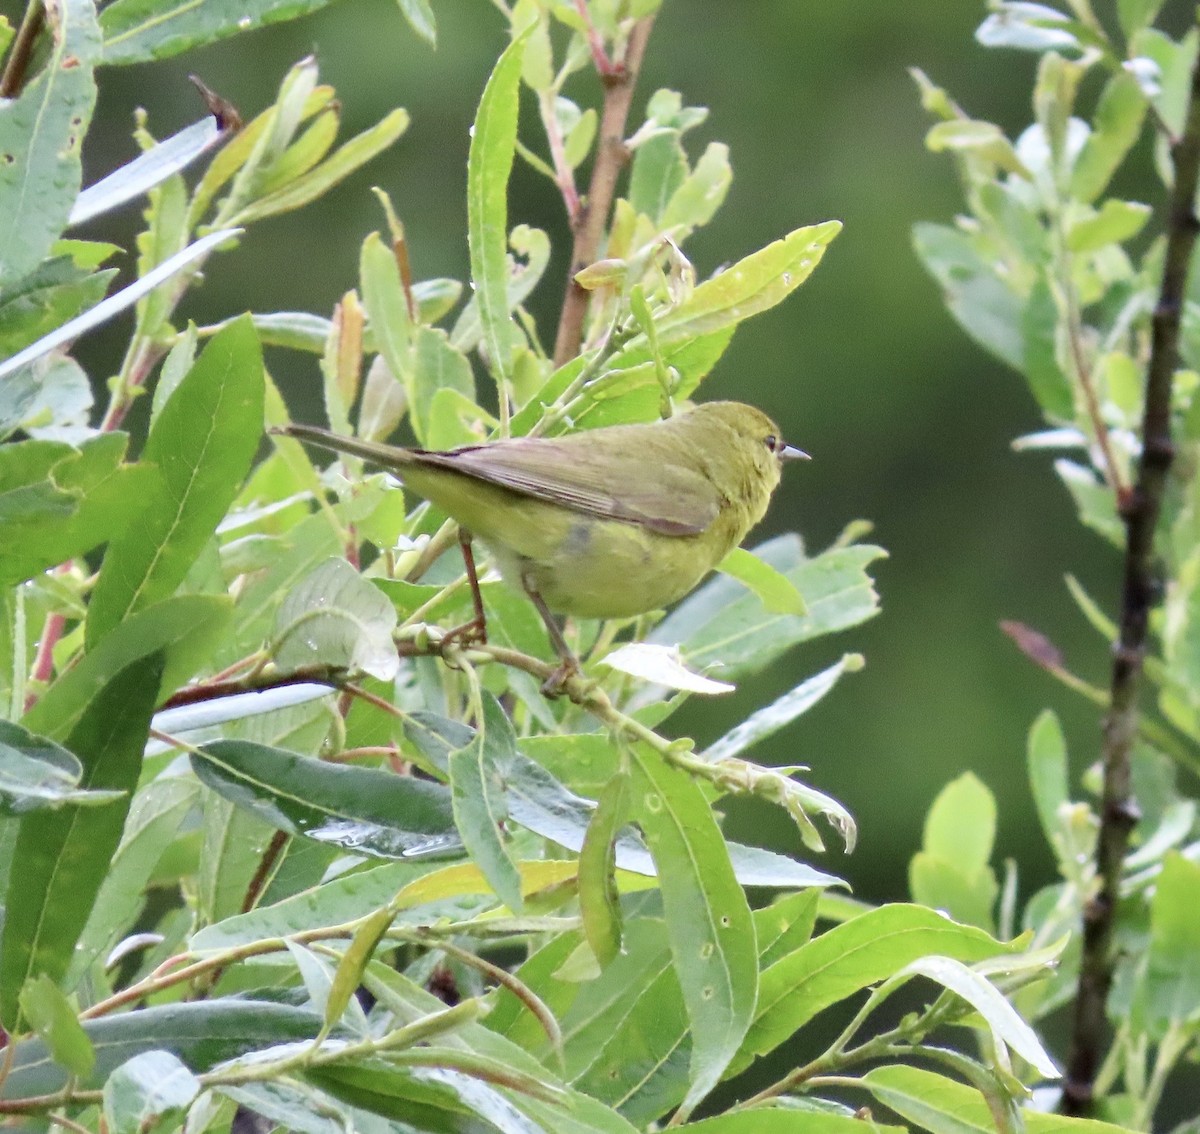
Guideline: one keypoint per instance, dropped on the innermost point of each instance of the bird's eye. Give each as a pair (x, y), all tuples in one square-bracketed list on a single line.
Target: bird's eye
[(772, 442)]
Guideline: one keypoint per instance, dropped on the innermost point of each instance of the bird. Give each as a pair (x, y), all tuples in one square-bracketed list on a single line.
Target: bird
[(610, 522)]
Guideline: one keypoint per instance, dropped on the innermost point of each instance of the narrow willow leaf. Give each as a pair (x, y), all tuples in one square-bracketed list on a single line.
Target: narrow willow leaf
[(767, 721), (336, 168), (419, 14), (661, 666), (777, 592), (36, 773), (348, 975), (360, 809), (115, 304), (62, 857), (51, 1016), (599, 902), (146, 1090), (292, 1106), (335, 617), (752, 285), (156, 817), (708, 919), (41, 134), (186, 628), (534, 246), (1007, 1027), (489, 163), (477, 786), (386, 304), (139, 30), (430, 1098), (934, 1102), (1116, 126), (203, 442), (792, 1120), (161, 161), (723, 625), (201, 1035), (850, 957)]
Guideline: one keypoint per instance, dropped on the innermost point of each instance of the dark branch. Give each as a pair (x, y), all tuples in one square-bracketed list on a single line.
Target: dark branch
[(1118, 810)]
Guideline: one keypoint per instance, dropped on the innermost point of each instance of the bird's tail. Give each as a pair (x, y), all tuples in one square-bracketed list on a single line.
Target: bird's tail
[(389, 456)]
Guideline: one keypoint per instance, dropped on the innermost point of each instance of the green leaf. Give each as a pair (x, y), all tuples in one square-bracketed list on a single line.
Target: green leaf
[(155, 165), (1116, 222), (754, 284), (982, 303), (777, 592), (36, 773), (186, 628), (1039, 329), (335, 617), (480, 807), (983, 139), (780, 1120), (115, 304), (434, 365), (722, 625), (41, 133), (419, 15), (708, 920), (292, 1106), (348, 897), (1046, 761), (1137, 14), (50, 1014), (1094, 500), (850, 957), (961, 824), (361, 809), (147, 1089), (1027, 27), (599, 902), (55, 291), (58, 503), (201, 1035), (1172, 980), (767, 721), (62, 857), (943, 1106), (138, 30), (659, 169), (155, 820), (1006, 1026), (203, 442), (1116, 126), (386, 304), (429, 1098), (336, 168), (702, 192), (489, 163)]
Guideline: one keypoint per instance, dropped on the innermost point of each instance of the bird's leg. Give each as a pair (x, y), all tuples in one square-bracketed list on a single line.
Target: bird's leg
[(568, 663), (476, 629)]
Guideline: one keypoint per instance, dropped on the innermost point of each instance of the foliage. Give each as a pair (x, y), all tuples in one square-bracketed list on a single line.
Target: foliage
[(1052, 270), (271, 838)]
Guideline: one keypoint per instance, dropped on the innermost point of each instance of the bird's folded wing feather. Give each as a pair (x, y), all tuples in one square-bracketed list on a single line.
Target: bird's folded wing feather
[(665, 497)]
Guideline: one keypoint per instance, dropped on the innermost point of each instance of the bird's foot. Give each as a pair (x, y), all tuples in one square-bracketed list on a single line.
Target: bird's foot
[(473, 633), (556, 684)]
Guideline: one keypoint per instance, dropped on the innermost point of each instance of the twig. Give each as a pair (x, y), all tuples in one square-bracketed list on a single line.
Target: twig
[(564, 175), (611, 156), (1118, 807), (13, 78)]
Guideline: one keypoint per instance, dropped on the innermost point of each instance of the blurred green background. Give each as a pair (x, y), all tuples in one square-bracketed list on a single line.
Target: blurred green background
[(908, 422)]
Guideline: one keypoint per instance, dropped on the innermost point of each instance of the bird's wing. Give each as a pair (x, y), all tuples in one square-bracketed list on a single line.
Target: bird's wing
[(660, 495)]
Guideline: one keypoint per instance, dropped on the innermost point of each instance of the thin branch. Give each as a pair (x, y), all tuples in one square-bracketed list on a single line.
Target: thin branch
[(26, 38), (1118, 807), (564, 175), (611, 156)]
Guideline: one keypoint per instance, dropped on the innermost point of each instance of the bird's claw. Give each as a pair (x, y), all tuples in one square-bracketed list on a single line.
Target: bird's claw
[(556, 684), (473, 633)]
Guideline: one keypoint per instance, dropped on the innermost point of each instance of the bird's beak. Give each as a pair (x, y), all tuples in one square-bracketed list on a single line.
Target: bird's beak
[(791, 453)]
